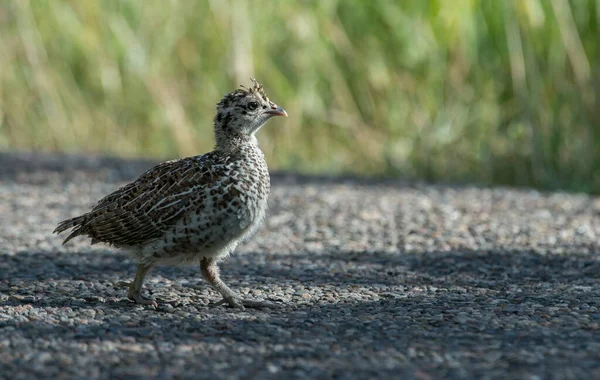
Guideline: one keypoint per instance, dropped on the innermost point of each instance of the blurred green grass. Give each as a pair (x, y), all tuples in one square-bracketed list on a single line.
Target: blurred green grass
[(491, 91)]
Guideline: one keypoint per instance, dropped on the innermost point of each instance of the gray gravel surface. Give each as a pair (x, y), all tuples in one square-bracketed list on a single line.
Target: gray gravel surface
[(375, 279)]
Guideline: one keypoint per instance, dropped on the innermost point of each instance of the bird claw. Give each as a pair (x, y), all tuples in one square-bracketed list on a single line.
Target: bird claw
[(143, 300), (241, 304), (259, 304), (217, 304)]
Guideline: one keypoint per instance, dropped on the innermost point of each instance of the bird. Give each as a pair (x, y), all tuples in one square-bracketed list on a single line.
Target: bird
[(193, 210)]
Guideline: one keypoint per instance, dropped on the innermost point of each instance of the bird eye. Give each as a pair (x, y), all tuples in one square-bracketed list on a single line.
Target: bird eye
[(253, 105)]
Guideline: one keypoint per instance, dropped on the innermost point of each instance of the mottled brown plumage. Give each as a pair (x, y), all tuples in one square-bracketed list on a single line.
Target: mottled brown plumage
[(195, 209)]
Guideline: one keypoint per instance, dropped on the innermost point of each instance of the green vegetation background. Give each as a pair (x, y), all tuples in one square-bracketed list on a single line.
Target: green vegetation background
[(491, 91)]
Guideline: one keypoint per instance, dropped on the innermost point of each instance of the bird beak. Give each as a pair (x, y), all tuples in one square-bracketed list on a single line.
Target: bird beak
[(276, 111)]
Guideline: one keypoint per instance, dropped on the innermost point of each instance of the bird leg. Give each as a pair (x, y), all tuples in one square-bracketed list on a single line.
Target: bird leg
[(210, 273), (135, 288)]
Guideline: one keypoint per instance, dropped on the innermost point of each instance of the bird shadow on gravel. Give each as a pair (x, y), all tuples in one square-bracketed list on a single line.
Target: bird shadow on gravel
[(431, 310), (381, 271)]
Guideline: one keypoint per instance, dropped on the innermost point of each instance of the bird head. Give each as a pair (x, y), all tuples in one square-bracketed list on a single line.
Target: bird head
[(241, 113)]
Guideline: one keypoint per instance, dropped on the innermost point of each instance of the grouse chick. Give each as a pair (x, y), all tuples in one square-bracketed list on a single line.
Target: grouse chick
[(195, 209)]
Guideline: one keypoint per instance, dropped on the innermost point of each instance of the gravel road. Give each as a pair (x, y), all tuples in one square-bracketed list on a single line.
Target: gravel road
[(375, 279)]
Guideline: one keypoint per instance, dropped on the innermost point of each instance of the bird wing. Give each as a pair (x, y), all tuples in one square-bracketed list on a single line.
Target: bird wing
[(148, 207)]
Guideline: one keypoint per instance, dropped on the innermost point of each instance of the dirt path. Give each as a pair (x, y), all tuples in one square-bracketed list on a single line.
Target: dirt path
[(374, 280)]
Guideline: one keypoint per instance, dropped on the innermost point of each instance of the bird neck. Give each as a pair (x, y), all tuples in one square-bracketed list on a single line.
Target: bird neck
[(234, 142), (231, 139)]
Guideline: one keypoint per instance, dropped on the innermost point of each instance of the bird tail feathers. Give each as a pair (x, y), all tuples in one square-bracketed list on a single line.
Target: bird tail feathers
[(75, 223)]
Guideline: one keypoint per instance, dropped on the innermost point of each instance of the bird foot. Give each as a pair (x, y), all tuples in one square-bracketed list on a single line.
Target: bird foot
[(241, 304), (139, 299)]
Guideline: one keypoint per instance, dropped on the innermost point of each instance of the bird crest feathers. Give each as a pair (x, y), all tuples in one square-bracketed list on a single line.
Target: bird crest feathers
[(256, 88)]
